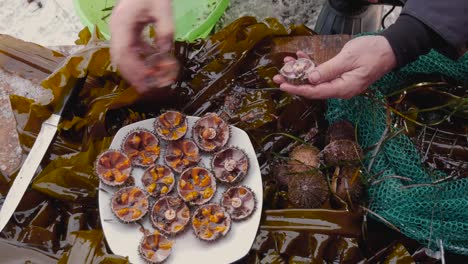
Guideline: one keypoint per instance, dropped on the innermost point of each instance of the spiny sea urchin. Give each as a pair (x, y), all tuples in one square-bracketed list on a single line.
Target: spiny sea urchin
[(113, 167), (230, 165), (171, 125), (182, 154), (308, 190), (239, 202), (142, 147), (211, 132), (196, 185), (129, 204), (170, 215), (211, 222), (155, 247)]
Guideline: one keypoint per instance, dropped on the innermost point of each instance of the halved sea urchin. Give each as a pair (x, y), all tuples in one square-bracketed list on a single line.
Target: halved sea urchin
[(155, 247), (182, 154), (296, 72), (113, 167), (196, 185), (171, 125), (230, 165), (239, 202), (130, 204), (158, 180), (211, 132), (142, 147), (211, 222), (170, 215)]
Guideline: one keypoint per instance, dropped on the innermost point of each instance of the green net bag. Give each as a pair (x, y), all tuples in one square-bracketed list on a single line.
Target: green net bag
[(434, 214)]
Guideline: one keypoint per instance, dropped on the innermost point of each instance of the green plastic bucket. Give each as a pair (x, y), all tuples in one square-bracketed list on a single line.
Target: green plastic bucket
[(193, 18)]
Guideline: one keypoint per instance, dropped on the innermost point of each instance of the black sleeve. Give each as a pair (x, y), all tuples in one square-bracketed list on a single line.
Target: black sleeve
[(429, 24)]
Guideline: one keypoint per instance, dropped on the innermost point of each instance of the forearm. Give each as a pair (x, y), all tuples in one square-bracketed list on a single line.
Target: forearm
[(426, 25)]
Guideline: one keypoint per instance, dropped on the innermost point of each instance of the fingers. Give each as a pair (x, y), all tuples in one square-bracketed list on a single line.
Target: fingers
[(279, 79), (301, 54), (330, 69), (337, 88), (127, 22), (162, 14), (125, 28), (288, 59)]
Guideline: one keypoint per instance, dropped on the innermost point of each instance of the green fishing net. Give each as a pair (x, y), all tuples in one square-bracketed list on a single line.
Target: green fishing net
[(434, 214)]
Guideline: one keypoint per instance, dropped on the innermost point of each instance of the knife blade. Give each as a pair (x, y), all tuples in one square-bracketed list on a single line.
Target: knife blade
[(34, 158)]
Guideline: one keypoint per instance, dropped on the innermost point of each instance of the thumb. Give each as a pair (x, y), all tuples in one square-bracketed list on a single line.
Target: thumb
[(329, 70), (162, 12)]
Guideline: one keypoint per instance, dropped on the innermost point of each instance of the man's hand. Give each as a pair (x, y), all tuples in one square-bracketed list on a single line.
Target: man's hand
[(128, 20), (361, 62)]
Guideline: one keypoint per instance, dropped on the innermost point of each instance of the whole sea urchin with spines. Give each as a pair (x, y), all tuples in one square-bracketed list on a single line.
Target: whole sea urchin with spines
[(113, 167), (182, 154), (158, 180), (308, 190), (196, 185), (239, 202), (296, 71), (171, 125), (211, 222), (130, 204), (170, 215), (211, 132), (342, 129), (230, 165), (142, 147), (155, 247), (304, 158), (342, 152)]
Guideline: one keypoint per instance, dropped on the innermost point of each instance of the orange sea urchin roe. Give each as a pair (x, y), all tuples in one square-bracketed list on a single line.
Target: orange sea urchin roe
[(129, 204), (171, 125), (196, 185), (142, 147), (113, 167), (211, 222), (158, 180), (155, 248), (182, 154)]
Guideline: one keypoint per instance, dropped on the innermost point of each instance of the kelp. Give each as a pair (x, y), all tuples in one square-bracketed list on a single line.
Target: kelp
[(230, 74), (88, 248)]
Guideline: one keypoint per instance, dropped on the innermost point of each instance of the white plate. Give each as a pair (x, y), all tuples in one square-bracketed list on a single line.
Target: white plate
[(123, 239)]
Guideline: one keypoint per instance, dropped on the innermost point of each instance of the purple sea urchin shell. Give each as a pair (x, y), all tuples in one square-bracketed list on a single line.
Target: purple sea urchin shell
[(155, 247), (239, 202), (142, 147), (113, 167), (296, 72), (211, 222), (182, 154), (230, 165), (196, 185), (130, 204), (171, 125), (170, 215), (211, 132)]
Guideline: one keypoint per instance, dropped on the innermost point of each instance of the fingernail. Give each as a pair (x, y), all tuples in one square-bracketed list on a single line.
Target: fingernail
[(314, 77)]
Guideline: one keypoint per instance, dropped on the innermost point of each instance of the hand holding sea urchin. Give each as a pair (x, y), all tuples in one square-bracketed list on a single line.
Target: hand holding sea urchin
[(296, 71)]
